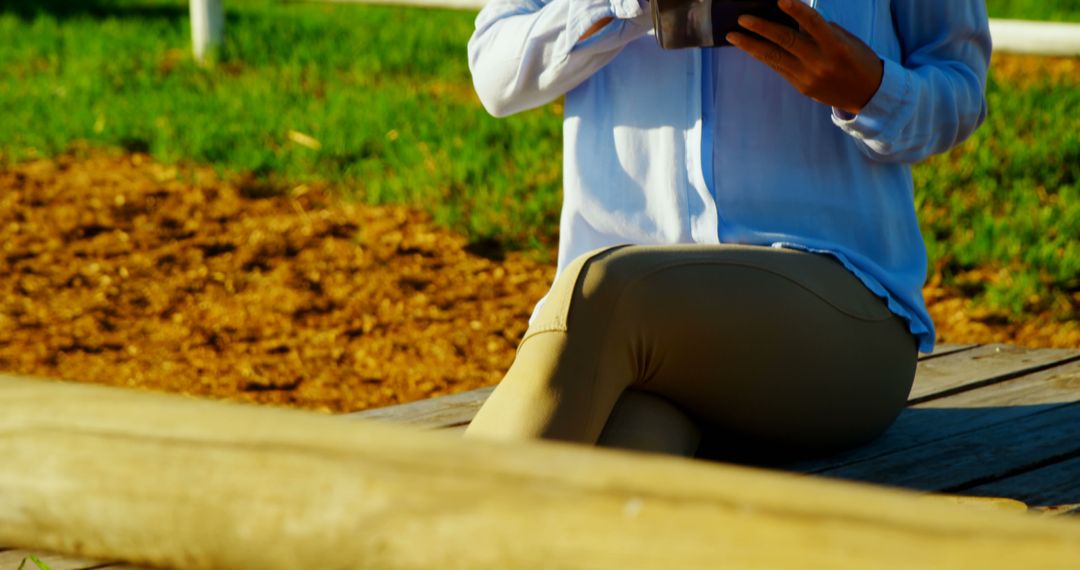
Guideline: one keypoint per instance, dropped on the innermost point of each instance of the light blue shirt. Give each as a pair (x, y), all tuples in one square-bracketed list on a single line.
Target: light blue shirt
[(710, 146)]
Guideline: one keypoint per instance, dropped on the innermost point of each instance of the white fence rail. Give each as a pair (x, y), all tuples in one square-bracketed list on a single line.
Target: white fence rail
[(1013, 36), (460, 4), (1043, 38)]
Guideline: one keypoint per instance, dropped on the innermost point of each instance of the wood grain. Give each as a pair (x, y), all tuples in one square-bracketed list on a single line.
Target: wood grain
[(986, 454), (176, 482), (435, 413), (938, 377), (945, 348), (1055, 484)]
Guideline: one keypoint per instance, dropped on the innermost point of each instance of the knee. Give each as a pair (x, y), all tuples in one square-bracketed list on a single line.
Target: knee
[(606, 276), (604, 301)]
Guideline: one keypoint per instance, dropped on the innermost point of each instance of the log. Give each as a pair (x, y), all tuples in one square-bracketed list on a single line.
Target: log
[(176, 482)]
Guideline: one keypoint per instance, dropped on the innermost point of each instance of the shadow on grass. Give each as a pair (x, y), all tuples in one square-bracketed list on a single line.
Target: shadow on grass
[(488, 248), (99, 9)]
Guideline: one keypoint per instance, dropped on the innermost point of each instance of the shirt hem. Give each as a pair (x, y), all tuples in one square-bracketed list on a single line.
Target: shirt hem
[(924, 335)]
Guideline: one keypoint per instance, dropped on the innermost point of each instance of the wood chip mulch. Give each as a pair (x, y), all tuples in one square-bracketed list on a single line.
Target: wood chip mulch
[(118, 270)]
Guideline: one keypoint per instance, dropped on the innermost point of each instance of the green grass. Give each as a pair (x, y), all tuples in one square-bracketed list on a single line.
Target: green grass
[(386, 92), (35, 561), (1057, 10), (1009, 199)]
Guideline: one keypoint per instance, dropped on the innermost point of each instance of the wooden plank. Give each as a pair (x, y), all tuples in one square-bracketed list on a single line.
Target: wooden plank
[(987, 454), (937, 420), (937, 377), (203, 484), (1056, 385), (1055, 484), (440, 412), (944, 348), (11, 559)]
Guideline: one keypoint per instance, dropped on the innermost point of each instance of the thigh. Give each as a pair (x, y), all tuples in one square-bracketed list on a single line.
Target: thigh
[(774, 344)]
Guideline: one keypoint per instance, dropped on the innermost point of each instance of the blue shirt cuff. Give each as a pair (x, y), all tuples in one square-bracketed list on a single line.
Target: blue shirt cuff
[(881, 118)]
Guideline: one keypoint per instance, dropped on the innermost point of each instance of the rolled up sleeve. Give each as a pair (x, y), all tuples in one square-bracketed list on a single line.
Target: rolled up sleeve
[(525, 53)]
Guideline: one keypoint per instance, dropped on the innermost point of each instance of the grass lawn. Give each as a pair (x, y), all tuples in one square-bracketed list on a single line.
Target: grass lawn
[(1057, 10), (377, 101)]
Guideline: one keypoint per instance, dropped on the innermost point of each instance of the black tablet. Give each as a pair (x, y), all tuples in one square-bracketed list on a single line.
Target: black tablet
[(705, 23)]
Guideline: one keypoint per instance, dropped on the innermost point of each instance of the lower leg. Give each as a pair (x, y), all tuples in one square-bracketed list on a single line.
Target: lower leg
[(527, 406), (646, 422), (552, 391)]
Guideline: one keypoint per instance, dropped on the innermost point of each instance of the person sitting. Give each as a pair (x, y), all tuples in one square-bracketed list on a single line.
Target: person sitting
[(739, 249)]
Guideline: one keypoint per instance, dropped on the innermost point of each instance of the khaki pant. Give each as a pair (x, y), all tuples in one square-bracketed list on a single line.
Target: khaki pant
[(648, 347)]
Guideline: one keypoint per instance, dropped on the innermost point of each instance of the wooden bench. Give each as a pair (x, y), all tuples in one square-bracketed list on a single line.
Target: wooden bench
[(984, 420)]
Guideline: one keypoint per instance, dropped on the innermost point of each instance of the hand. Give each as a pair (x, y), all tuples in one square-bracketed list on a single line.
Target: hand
[(822, 60)]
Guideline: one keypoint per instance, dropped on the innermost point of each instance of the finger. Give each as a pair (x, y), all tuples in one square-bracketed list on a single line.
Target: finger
[(766, 52), (795, 43), (809, 19)]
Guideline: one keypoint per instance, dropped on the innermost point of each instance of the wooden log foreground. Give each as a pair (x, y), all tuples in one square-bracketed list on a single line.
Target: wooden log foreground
[(176, 482)]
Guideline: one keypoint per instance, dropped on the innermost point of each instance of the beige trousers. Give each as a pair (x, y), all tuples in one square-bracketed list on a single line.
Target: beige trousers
[(649, 347)]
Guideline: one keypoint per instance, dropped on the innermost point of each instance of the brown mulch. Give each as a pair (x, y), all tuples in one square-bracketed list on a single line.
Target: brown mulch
[(1022, 71), (117, 270)]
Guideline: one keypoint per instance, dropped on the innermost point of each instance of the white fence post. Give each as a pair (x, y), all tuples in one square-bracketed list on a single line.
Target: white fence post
[(207, 25)]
